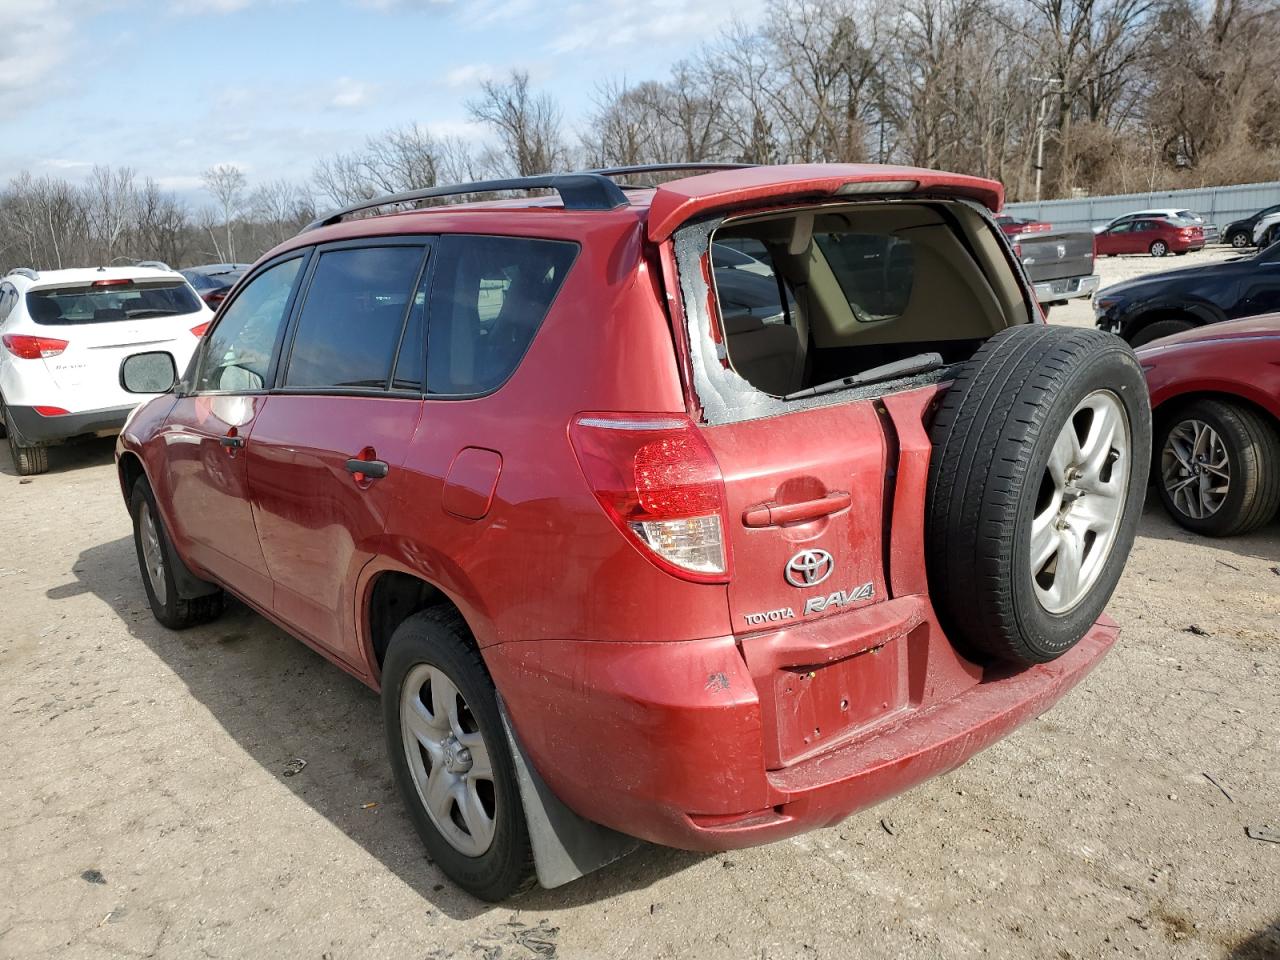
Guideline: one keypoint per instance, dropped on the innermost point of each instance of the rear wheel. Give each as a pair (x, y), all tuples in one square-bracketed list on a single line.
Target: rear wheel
[(451, 758), (27, 460), (1158, 248), (1240, 239), (151, 542), (1161, 328), (1041, 449), (1219, 468)]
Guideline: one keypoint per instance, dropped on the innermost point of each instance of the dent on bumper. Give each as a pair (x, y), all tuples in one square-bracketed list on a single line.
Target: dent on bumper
[(669, 742)]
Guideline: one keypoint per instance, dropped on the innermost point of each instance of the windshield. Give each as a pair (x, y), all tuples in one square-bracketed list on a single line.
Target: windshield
[(105, 303)]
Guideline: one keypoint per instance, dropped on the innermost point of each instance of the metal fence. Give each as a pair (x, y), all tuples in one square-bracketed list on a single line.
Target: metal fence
[(1218, 205)]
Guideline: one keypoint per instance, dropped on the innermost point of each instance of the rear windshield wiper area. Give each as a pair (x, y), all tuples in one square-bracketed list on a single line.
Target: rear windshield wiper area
[(909, 366)]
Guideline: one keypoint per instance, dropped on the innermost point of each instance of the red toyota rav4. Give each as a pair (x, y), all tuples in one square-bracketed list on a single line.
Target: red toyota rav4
[(704, 513)]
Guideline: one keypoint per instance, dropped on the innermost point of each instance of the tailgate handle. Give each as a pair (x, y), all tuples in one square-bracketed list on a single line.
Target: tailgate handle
[(775, 514)]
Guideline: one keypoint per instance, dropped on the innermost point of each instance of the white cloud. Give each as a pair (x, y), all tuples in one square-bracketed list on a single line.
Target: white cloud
[(469, 75), (197, 7), (384, 5), (37, 39), (349, 93), (615, 23), (62, 163)]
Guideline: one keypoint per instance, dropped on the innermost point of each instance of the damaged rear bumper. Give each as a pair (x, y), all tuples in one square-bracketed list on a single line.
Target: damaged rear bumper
[(723, 743)]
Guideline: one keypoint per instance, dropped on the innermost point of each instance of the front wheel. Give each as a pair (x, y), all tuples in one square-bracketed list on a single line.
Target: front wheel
[(151, 541), (1159, 248), (1161, 328), (1240, 240), (1219, 468), (451, 759)]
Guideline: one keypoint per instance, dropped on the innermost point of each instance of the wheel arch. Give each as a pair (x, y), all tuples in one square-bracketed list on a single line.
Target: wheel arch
[(389, 595), (129, 468), (1169, 407), (1197, 314)]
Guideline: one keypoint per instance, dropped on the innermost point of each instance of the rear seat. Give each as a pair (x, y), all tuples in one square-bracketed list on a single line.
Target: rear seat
[(768, 355)]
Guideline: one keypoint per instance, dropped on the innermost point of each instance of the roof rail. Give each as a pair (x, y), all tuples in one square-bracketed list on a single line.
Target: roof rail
[(154, 265), (667, 168), (578, 191), (24, 272)]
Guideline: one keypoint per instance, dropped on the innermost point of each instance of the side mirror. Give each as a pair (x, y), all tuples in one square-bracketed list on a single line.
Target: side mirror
[(153, 372)]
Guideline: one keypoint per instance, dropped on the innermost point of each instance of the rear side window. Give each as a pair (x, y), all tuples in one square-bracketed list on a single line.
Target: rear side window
[(875, 271), (8, 297), (237, 353), (107, 301), (350, 325), (488, 299)]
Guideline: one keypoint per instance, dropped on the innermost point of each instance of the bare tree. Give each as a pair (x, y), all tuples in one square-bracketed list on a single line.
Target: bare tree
[(226, 183), (527, 124)]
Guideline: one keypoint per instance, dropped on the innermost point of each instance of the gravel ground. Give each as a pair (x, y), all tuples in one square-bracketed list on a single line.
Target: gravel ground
[(146, 805)]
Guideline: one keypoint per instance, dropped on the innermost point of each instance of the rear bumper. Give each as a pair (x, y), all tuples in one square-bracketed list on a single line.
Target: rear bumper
[(709, 745), (1071, 288), (34, 428)]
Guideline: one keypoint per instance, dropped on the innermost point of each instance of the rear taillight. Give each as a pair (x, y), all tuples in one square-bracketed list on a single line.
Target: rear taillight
[(51, 411), (659, 483), (199, 329), (32, 348), (215, 297)]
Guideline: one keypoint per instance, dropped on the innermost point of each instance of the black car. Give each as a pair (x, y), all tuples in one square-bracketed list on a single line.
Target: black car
[(213, 281), (1162, 304), (1240, 232)]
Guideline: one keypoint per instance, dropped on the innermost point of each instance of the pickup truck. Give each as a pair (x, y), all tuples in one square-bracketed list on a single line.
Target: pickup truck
[(1059, 265)]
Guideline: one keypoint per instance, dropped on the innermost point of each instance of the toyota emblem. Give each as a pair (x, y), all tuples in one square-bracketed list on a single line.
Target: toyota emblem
[(808, 568)]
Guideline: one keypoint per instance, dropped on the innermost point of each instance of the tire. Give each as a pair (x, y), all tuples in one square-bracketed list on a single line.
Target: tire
[(1239, 240), (1161, 328), (492, 863), (153, 547), (1020, 398), (27, 461), (1158, 248), (1238, 445)]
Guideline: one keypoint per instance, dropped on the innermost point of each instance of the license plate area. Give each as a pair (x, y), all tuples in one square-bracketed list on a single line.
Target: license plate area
[(813, 708)]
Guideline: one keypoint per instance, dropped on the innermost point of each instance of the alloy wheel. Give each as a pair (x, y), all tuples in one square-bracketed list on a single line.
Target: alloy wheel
[(152, 554), (1195, 469), (448, 760), (1080, 502)]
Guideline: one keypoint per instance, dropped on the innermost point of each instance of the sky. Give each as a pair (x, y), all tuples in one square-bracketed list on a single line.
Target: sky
[(173, 88)]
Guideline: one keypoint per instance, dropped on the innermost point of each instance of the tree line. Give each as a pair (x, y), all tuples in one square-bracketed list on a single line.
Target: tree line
[(1125, 95)]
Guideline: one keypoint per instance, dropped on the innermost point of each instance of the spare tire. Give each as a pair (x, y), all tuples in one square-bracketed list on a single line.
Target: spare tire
[(1041, 451)]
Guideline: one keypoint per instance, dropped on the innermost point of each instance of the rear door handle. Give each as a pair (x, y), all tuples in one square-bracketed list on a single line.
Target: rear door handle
[(774, 514), (234, 442), (371, 469)]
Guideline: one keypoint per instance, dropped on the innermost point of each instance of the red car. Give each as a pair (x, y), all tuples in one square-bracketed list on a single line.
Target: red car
[(1157, 236), (638, 543), (1016, 226), (1215, 393)]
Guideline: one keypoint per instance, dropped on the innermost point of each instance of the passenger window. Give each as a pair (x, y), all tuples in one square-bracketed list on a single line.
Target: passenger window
[(8, 297), (237, 354), (875, 271), (351, 321), (488, 299)]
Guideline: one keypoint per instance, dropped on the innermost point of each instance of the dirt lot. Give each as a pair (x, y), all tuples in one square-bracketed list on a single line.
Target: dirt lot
[(146, 808)]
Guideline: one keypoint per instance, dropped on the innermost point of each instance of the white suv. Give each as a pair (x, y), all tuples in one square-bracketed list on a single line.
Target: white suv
[(64, 333)]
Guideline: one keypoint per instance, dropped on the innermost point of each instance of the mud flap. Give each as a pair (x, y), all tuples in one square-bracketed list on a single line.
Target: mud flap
[(189, 585), (565, 845)]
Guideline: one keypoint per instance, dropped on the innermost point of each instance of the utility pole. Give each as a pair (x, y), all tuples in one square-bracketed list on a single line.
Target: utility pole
[(1045, 83)]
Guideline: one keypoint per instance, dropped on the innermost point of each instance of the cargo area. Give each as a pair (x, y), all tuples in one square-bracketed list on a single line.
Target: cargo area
[(815, 300)]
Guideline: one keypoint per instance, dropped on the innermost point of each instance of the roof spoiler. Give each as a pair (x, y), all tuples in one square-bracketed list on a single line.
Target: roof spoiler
[(24, 272), (677, 202)]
